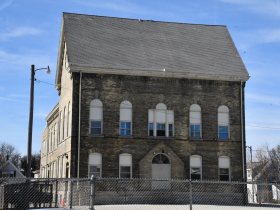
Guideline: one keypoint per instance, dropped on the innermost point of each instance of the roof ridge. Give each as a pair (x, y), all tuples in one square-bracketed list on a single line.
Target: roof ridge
[(143, 19)]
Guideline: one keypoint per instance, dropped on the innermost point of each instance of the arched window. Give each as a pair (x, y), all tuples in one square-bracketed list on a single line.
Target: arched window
[(160, 159), (59, 167), (55, 135), (61, 127), (96, 117), (50, 140), (224, 168), (54, 169), (196, 167), (63, 173), (68, 123), (125, 165), (65, 124), (223, 122), (195, 121), (161, 121), (95, 165), (126, 118)]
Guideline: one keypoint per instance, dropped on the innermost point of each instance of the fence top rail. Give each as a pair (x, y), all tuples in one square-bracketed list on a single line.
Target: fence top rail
[(15, 180)]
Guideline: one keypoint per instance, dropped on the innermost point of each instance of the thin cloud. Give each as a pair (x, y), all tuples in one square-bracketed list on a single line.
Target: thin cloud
[(121, 6), (26, 58), (268, 7), (5, 4), (247, 39), (10, 99), (19, 32), (263, 99)]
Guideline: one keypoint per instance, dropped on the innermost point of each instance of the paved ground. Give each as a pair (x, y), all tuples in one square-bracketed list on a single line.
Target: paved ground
[(172, 207)]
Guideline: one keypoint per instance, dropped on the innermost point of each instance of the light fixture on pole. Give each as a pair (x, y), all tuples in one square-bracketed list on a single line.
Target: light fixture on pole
[(30, 125)]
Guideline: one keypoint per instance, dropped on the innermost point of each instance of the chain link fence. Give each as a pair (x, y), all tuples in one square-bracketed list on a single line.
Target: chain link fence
[(114, 193)]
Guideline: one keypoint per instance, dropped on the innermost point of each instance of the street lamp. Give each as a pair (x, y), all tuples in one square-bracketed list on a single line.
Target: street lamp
[(30, 125)]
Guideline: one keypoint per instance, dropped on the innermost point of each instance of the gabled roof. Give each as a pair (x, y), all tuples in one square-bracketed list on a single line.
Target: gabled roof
[(150, 47), (16, 168)]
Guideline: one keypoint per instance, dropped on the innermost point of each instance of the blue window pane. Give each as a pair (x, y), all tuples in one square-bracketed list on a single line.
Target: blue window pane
[(192, 134), (170, 133), (223, 129), (96, 131), (96, 124), (223, 135), (192, 127), (160, 126), (197, 135), (125, 125), (170, 127), (197, 128), (128, 132), (122, 132), (151, 126)]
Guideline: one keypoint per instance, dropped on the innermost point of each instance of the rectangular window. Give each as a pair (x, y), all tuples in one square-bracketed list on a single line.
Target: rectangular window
[(223, 132), (224, 174), (170, 129), (125, 172), (160, 129), (151, 129), (95, 127), (195, 173), (195, 131), (125, 128), (94, 171)]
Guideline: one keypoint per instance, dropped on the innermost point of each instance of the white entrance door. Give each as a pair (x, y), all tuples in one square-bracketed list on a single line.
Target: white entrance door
[(161, 169)]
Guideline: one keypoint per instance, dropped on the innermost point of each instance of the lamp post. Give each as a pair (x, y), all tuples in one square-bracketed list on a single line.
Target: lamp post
[(30, 125)]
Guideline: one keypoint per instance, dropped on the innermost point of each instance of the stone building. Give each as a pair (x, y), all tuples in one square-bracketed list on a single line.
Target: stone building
[(147, 99)]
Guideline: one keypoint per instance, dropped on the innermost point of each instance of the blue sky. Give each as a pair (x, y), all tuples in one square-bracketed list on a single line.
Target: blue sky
[(29, 34)]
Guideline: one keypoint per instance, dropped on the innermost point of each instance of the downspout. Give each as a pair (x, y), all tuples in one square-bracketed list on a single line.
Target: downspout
[(242, 136), (79, 130)]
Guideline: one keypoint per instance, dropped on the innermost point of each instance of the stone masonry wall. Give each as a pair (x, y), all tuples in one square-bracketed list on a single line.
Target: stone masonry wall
[(144, 94)]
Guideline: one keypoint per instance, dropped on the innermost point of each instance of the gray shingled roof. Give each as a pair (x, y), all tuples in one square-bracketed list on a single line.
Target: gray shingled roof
[(178, 47)]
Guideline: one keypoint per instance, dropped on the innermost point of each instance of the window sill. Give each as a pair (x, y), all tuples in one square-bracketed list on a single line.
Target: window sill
[(125, 137), (161, 137), (196, 139), (224, 140), (97, 136)]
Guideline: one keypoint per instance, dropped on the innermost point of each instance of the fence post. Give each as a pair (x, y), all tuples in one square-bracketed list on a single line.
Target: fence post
[(55, 199), (71, 194), (190, 195), (92, 193)]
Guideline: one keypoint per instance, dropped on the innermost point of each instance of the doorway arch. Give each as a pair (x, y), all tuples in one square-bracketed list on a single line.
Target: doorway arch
[(161, 169)]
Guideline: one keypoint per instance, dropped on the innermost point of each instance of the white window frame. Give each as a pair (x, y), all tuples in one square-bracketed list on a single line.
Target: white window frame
[(99, 105), (43, 147), (65, 123), (59, 167), (68, 123), (195, 108), (55, 136), (168, 120), (61, 127), (98, 165), (50, 141), (54, 169), (223, 109), (125, 164), (222, 166), (126, 105), (196, 166)]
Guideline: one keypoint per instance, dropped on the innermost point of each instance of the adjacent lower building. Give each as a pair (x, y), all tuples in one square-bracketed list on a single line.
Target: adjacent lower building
[(146, 99)]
